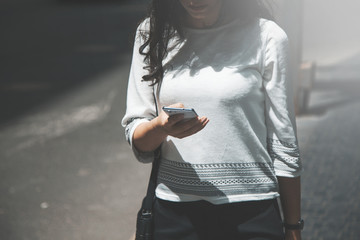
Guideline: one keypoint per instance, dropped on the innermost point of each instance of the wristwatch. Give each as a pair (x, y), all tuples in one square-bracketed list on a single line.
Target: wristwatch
[(297, 226)]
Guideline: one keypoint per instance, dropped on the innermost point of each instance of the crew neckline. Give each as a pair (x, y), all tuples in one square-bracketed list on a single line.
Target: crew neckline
[(233, 22), (211, 28)]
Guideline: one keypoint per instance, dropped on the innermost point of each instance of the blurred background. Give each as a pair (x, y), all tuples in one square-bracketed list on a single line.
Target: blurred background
[(66, 171)]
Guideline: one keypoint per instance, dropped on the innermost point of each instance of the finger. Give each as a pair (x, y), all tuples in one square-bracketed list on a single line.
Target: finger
[(186, 124), (177, 105), (170, 123), (194, 128), (175, 125), (174, 119)]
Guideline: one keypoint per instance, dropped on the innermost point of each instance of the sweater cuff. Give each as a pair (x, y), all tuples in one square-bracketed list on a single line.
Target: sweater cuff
[(286, 158), (144, 157)]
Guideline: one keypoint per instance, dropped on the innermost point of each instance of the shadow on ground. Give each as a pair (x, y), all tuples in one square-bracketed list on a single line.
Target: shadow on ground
[(50, 48)]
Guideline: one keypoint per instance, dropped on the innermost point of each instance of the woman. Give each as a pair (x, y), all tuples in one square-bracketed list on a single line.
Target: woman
[(220, 174)]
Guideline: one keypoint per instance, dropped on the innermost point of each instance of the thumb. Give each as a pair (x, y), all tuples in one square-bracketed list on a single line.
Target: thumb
[(177, 105)]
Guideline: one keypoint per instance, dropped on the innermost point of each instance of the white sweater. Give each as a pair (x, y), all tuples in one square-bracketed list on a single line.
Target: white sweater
[(236, 75)]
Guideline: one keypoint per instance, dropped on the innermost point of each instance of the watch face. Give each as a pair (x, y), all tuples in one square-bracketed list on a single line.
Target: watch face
[(301, 223)]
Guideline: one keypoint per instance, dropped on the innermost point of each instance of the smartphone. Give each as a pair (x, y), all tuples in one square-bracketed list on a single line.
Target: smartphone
[(188, 112)]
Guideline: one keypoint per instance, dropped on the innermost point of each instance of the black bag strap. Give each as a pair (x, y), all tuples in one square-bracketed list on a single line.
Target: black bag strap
[(150, 194)]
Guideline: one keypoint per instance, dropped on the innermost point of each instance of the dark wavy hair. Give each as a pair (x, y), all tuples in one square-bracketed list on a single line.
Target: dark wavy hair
[(166, 21)]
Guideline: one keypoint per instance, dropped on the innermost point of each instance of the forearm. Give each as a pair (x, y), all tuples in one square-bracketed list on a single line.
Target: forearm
[(148, 136), (290, 195)]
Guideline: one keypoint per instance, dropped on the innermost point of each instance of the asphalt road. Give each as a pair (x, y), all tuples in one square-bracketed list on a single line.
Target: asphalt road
[(66, 172), (328, 135), (48, 47)]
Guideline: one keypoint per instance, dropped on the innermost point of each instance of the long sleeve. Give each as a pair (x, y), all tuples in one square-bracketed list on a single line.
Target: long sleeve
[(140, 105), (282, 142)]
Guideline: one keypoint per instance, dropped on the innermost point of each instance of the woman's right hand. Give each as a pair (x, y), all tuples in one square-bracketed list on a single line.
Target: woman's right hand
[(176, 127), (148, 136)]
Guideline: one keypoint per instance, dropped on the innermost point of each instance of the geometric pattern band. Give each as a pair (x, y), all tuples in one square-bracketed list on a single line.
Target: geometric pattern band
[(217, 179)]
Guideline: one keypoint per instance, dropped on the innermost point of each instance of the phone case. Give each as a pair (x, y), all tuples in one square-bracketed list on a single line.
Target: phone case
[(188, 112)]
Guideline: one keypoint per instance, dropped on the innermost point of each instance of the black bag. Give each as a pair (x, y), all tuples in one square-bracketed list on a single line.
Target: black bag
[(144, 222), (144, 225)]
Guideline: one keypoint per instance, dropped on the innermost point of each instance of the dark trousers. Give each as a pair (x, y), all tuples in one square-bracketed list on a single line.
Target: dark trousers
[(201, 220)]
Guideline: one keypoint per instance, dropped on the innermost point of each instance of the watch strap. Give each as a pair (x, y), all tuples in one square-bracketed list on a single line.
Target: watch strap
[(297, 226)]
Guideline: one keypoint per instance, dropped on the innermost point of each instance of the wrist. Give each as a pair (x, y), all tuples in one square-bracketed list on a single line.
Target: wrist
[(292, 234), (157, 126), (298, 226)]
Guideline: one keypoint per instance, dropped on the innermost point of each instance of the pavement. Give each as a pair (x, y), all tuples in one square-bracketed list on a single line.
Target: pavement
[(66, 171), (328, 137), (51, 46)]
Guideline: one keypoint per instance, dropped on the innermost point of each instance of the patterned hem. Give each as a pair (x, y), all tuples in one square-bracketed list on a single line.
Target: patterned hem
[(283, 151), (217, 179)]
